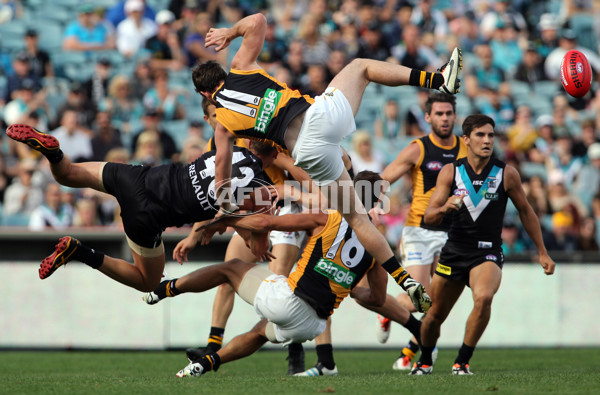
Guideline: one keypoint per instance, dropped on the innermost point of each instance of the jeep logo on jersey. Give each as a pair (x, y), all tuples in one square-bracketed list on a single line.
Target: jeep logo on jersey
[(267, 110), (460, 192), (336, 273), (435, 166)]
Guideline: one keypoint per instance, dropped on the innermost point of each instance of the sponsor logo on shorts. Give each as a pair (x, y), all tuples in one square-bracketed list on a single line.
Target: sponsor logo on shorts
[(491, 196), (484, 244), (435, 166), (266, 111), (491, 257), (414, 256), (336, 273), (461, 192), (447, 270)]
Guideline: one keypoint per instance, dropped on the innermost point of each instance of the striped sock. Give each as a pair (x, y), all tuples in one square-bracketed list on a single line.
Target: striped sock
[(425, 79), (215, 339)]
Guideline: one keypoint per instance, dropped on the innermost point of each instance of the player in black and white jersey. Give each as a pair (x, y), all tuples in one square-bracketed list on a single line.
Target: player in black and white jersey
[(474, 191), (151, 199)]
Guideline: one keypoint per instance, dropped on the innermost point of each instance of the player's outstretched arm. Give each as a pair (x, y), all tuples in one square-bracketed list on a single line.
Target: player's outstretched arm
[(514, 190), (402, 164), (252, 29), (284, 223), (442, 201), (224, 143)]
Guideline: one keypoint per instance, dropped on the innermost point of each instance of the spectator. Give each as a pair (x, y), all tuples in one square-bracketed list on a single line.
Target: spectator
[(164, 99), (25, 103), (148, 150), (22, 196), (586, 237), (274, 47), (388, 124), (106, 137), (135, 30), (337, 61), (364, 157), (4, 177), (118, 155), (545, 142), (125, 112), (587, 180), (39, 61), (117, 13), (314, 48), (559, 197), (430, 20), (414, 55), (87, 33), (531, 68), (522, 134), (141, 81), (416, 125), (512, 244), (548, 34), (194, 42), (73, 140), (295, 64), (562, 235), (506, 50), (86, 213), (151, 121), (316, 81), (395, 28), (499, 107), (165, 49), (465, 28), (500, 15), (483, 73), (562, 159), (52, 213), (79, 102), (21, 72), (193, 148), (96, 88), (371, 44)]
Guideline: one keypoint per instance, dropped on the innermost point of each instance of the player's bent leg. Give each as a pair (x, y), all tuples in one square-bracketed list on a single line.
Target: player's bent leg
[(484, 280), (420, 273)]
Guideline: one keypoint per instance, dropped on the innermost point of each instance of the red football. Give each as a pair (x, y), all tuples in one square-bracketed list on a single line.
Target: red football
[(576, 73)]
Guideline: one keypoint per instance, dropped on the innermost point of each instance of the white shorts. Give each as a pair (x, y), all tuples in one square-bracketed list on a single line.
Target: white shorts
[(327, 121), (294, 320), (420, 246), (291, 238)]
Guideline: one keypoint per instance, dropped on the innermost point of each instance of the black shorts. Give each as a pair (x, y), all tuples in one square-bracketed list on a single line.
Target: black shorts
[(128, 184), (455, 262)]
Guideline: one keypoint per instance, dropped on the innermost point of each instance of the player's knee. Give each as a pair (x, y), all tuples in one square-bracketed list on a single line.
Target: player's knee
[(483, 299)]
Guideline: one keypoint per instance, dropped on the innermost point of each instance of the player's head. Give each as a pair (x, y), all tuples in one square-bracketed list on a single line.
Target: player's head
[(478, 131), (265, 151), (368, 188), (440, 112), (210, 112), (207, 77)]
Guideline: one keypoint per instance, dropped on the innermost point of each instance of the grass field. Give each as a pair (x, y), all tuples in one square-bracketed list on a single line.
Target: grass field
[(524, 371)]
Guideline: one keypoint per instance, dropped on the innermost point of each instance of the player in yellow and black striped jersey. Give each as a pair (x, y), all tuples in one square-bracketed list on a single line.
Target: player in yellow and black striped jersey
[(421, 245)]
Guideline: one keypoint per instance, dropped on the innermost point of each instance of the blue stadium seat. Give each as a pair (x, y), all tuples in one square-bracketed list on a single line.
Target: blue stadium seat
[(15, 220), (49, 33), (54, 13), (178, 130), (546, 88), (531, 169), (583, 26), (12, 30)]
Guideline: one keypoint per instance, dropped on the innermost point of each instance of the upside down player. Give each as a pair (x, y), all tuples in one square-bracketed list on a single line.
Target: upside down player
[(294, 309), (151, 199), (474, 191), (421, 244), (252, 104)]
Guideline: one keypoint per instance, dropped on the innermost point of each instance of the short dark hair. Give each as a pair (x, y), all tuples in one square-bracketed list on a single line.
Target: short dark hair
[(207, 76), (205, 104), (476, 121), (262, 148), (372, 198), (439, 97)]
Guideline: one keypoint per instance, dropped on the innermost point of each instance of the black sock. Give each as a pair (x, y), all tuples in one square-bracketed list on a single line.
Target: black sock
[(295, 349), (412, 346), (393, 267), (54, 157), (464, 354), (210, 362), (89, 256), (166, 289), (414, 326), (425, 79), (426, 358), (325, 355), (215, 339)]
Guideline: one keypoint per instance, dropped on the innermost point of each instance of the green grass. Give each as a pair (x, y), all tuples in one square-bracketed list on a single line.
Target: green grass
[(523, 371)]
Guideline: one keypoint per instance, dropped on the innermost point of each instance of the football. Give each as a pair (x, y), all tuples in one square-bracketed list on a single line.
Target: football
[(576, 73)]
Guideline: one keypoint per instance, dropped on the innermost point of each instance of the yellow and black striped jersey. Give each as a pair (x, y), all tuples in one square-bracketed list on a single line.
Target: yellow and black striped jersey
[(332, 263), (254, 105), (424, 176)]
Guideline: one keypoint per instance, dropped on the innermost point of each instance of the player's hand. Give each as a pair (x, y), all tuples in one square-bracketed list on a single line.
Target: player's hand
[(547, 263), (219, 37), (206, 232), (180, 253), (259, 245), (375, 214), (454, 203)]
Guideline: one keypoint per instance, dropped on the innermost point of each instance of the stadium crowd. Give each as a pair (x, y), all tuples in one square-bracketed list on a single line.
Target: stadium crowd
[(110, 79)]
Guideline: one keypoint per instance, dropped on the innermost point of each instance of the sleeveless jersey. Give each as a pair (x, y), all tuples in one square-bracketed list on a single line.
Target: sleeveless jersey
[(478, 223), (186, 193), (424, 176), (276, 174), (332, 263), (254, 105)]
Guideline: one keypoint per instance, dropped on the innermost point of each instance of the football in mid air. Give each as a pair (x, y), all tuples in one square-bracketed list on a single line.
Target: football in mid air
[(576, 73)]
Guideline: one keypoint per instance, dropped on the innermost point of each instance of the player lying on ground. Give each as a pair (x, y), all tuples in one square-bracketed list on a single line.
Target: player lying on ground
[(252, 104), (151, 199), (474, 191), (293, 309)]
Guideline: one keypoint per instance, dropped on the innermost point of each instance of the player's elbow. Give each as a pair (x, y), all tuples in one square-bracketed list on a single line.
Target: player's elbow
[(258, 21)]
